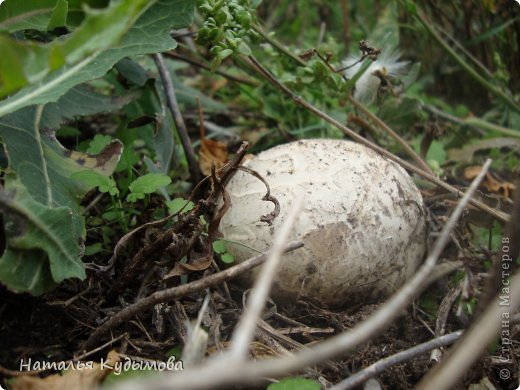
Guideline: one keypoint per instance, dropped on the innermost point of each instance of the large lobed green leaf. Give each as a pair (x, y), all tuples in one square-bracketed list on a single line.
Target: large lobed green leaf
[(34, 229), (45, 188), (34, 15), (44, 15), (44, 197), (150, 34), (40, 161), (27, 62)]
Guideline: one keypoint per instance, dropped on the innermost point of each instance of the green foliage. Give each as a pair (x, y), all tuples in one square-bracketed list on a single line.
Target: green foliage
[(490, 238), (29, 62), (402, 113), (295, 384), (42, 196), (98, 143), (178, 204), (34, 229), (226, 28), (39, 160), (219, 247), (94, 179), (149, 34), (147, 184)]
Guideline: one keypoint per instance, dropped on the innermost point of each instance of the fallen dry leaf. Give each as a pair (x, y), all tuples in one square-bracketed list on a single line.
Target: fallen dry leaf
[(492, 185), (212, 151), (198, 262)]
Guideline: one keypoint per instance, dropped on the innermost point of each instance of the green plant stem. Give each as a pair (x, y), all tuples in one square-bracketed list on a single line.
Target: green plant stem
[(420, 162), (474, 122), (273, 42), (475, 61), (508, 100), (237, 79), (497, 214)]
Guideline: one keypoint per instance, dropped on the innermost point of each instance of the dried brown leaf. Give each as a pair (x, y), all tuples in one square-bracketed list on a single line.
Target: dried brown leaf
[(212, 152), (490, 183)]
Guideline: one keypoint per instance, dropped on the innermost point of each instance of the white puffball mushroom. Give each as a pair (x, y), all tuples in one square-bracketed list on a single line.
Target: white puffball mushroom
[(363, 220)]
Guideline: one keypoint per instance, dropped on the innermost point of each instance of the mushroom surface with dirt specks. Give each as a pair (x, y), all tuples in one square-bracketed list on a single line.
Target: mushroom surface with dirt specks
[(363, 221)]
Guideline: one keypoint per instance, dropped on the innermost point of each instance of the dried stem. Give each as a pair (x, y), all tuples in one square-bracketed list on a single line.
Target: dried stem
[(503, 217), (408, 149), (502, 307), (198, 64), (475, 341), (175, 293), (173, 105), (245, 329), (401, 357), (355, 103)]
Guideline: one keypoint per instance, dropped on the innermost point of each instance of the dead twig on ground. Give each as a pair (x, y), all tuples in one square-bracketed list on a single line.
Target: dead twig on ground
[(475, 341), (245, 329), (173, 105), (175, 293), (380, 366), (494, 311)]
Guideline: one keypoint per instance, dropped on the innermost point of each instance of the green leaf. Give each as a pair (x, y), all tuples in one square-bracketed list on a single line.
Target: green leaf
[(94, 179), (44, 186), (100, 30), (189, 95), (93, 249), (177, 204), (227, 258), (26, 271), (42, 15), (163, 143), (147, 184), (150, 34), (23, 15), (219, 246), (402, 113), (59, 15), (132, 71), (244, 49), (42, 164), (31, 225), (295, 384), (436, 152), (98, 143)]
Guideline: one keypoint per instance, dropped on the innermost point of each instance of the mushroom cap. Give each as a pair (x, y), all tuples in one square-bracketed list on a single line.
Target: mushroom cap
[(363, 221)]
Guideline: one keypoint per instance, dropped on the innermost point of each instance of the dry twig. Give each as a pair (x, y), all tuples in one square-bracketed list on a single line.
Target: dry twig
[(175, 293), (245, 329), (173, 105), (378, 367)]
